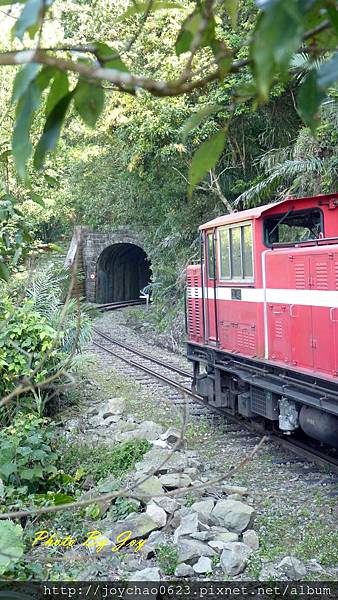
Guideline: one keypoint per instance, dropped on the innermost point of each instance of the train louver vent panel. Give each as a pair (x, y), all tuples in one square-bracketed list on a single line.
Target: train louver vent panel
[(300, 276), (197, 310), (264, 403), (258, 401), (194, 319), (322, 276)]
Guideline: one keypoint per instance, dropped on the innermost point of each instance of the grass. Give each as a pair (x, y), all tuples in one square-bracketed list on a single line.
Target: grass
[(167, 558), (103, 460)]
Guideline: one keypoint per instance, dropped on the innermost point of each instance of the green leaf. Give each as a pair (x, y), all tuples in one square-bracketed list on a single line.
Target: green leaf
[(190, 26), (37, 199), (205, 158), (52, 130), (55, 248), (309, 100), (328, 72), (58, 90), (4, 272), (62, 499), (197, 118), (11, 544), (27, 474), (103, 51), (223, 57), (51, 180), (8, 468), (21, 144), (29, 18), (141, 7), (23, 79), (277, 36), (333, 16), (89, 102), (231, 6)]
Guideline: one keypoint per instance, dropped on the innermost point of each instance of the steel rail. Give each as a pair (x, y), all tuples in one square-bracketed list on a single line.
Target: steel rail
[(143, 354), (162, 378), (116, 305), (295, 446)]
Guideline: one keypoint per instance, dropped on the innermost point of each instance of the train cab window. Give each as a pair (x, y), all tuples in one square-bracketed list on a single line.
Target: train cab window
[(236, 252), (293, 227), (211, 257)]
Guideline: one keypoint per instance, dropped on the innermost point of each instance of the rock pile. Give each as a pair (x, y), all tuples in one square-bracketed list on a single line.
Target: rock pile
[(209, 529)]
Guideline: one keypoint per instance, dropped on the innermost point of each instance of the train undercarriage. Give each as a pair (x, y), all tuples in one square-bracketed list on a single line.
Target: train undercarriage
[(286, 399)]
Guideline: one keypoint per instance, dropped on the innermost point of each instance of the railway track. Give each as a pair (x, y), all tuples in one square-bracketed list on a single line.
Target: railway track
[(127, 354), (116, 305)]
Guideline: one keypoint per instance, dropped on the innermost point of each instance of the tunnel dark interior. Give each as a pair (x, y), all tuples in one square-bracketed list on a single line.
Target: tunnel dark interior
[(122, 271)]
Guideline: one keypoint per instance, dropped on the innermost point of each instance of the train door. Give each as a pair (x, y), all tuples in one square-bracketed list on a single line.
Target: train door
[(300, 314), (324, 318), (210, 290)]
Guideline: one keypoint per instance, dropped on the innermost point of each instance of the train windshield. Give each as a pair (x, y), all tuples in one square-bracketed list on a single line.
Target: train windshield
[(293, 227)]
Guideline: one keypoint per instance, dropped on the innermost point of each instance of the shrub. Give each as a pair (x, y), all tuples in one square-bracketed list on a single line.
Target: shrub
[(27, 343), (104, 460), (167, 558), (26, 457)]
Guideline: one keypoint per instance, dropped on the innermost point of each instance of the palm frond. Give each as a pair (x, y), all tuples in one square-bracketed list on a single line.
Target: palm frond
[(286, 172)]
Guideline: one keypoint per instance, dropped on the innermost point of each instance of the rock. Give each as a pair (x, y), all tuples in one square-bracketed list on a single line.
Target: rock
[(181, 512), (168, 504), (149, 488), (172, 435), (160, 444), (238, 489), (114, 406), (184, 570), (269, 572), (112, 420), (237, 497), (226, 536), (149, 574), (155, 539), (157, 514), (203, 536), (203, 565), (189, 549), (189, 524), (140, 524), (235, 516), (175, 480), (234, 557), (194, 464), (217, 545), (191, 471), (292, 567), (251, 539), (204, 508), (147, 430), (313, 566), (162, 461)]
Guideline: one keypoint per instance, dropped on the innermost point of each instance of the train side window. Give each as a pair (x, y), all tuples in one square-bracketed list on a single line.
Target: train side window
[(247, 251), (293, 227), (224, 243), (211, 258), (236, 259), (235, 245)]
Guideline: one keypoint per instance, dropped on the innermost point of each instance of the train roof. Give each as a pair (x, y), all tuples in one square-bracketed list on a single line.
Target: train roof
[(255, 213)]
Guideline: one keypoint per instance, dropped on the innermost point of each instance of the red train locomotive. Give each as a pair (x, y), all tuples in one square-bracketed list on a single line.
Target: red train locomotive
[(262, 315)]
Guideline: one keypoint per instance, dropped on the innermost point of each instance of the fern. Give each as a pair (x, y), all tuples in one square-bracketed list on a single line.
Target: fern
[(286, 173)]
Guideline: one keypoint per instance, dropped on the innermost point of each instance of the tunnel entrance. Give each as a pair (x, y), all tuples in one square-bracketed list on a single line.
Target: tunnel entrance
[(122, 270)]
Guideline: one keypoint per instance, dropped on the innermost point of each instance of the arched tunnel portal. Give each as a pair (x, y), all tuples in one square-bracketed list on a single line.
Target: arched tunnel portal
[(122, 270)]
